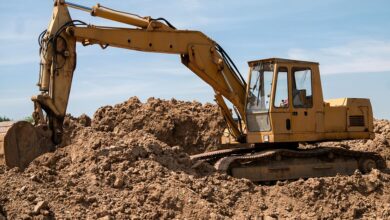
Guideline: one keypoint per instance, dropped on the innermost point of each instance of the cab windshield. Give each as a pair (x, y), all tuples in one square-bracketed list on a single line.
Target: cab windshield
[(260, 88)]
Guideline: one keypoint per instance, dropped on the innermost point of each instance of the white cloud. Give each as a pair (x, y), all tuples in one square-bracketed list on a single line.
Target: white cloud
[(354, 57)]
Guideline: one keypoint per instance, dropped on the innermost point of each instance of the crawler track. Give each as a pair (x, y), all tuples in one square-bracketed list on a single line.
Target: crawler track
[(281, 164)]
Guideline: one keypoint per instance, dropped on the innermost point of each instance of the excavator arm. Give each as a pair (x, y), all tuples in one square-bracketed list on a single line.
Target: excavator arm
[(199, 53)]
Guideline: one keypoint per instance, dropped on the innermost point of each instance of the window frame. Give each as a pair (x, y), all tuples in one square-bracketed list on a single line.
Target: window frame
[(269, 106), (276, 88), (293, 80)]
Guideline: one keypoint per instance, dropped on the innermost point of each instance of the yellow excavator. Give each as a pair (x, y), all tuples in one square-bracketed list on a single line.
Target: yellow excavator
[(279, 107)]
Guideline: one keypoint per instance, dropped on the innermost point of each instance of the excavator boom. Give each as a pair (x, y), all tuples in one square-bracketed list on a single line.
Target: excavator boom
[(199, 53)]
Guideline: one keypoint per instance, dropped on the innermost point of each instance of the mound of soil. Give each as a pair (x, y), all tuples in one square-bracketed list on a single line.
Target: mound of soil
[(131, 161), (188, 124)]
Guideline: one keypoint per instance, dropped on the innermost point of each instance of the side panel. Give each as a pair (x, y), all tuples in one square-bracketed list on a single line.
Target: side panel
[(281, 121), (348, 118), (320, 127), (360, 116), (335, 119), (304, 120)]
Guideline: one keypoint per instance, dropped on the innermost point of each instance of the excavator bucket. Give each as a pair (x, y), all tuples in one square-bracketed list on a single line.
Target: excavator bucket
[(21, 143)]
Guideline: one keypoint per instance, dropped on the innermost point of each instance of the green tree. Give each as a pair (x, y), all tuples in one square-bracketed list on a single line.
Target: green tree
[(29, 119), (3, 118)]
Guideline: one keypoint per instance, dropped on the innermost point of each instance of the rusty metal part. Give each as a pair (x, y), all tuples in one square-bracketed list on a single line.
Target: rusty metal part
[(283, 164), (21, 142)]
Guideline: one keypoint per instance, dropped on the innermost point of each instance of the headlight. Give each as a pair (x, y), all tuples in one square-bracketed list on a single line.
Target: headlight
[(266, 138)]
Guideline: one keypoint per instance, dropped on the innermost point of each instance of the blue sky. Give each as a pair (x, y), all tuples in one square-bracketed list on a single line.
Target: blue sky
[(350, 39)]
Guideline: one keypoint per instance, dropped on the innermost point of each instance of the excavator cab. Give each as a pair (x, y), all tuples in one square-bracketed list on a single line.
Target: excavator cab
[(285, 105), (280, 100)]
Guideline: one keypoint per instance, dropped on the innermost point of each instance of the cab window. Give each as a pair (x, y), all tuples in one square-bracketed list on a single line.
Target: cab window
[(301, 87), (281, 94), (260, 88)]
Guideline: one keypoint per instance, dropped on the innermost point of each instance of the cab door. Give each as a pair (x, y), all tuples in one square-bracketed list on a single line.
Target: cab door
[(281, 115), (303, 113)]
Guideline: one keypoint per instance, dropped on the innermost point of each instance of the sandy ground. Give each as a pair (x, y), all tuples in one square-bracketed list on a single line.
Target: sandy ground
[(131, 161)]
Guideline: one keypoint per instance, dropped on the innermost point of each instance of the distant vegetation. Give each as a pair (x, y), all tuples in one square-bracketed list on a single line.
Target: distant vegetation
[(3, 118), (29, 119)]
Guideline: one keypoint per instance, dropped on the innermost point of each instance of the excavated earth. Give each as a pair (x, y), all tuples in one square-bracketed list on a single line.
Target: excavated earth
[(131, 161)]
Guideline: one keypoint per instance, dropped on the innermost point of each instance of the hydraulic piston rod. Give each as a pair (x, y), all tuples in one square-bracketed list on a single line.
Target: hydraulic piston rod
[(78, 7), (110, 14)]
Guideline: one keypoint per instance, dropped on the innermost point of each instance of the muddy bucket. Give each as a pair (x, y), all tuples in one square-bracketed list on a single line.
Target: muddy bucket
[(21, 143)]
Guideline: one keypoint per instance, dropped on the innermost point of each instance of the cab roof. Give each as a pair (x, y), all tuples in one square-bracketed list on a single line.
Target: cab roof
[(279, 60)]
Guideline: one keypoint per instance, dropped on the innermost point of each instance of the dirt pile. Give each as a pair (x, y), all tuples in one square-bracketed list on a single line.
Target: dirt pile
[(130, 162), (188, 124)]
